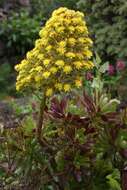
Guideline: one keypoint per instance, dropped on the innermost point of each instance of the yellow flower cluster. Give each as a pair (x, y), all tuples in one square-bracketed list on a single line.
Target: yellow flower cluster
[(60, 56)]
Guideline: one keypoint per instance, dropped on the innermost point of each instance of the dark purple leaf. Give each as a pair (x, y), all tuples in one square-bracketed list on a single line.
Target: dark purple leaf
[(63, 104), (57, 108), (88, 103), (114, 133), (55, 105), (112, 117), (77, 120)]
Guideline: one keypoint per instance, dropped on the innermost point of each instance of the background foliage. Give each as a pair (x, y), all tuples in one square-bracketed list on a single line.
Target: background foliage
[(104, 163), (107, 21)]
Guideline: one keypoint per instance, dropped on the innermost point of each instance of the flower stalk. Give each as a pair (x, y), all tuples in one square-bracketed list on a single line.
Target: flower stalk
[(41, 121)]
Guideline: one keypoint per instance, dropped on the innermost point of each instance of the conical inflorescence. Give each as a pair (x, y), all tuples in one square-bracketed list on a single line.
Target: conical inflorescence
[(60, 57)]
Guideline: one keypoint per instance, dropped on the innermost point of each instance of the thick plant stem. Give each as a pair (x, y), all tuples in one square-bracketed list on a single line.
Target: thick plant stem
[(40, 122), (124, 178)]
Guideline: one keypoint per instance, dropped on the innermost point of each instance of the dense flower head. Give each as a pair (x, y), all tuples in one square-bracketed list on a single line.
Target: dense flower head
[(60, 56)]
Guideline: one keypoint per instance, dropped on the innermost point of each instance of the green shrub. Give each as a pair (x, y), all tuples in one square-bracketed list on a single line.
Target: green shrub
[(48, 6), (6, 80), (19, 32), (107, 22)]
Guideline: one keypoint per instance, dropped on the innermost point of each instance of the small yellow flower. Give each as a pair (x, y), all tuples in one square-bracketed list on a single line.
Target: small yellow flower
[(80, 14), (52, 34), (67, 87), (81, 29), (46, 62), (88, 40), (68, 22), (22, 65), (17, 87), (44, 42), (53, 70), (58, 86), (48, 48), (61, 50), (29, 55), (76, 20), (71, 29), (78, 83), (40, 57), (60, 29), (19, 77), (38, 43), (39, 68), (57, 24), (62, 43), (88, 64), (91, 64), (24, 62), (32, 70), (67, 69), (78, 64), (71, 41), (70, 55), (59, 11), (49, 92), (46, 74), (59, 63), (37, 78), (28, 78), (17, 67), (79, 56), (81, 40), (88, 53), (43, 33)]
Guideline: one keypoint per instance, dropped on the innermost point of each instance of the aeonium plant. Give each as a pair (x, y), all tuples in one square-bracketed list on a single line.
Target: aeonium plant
[(58, 60), (87, 139), (90, 145)]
